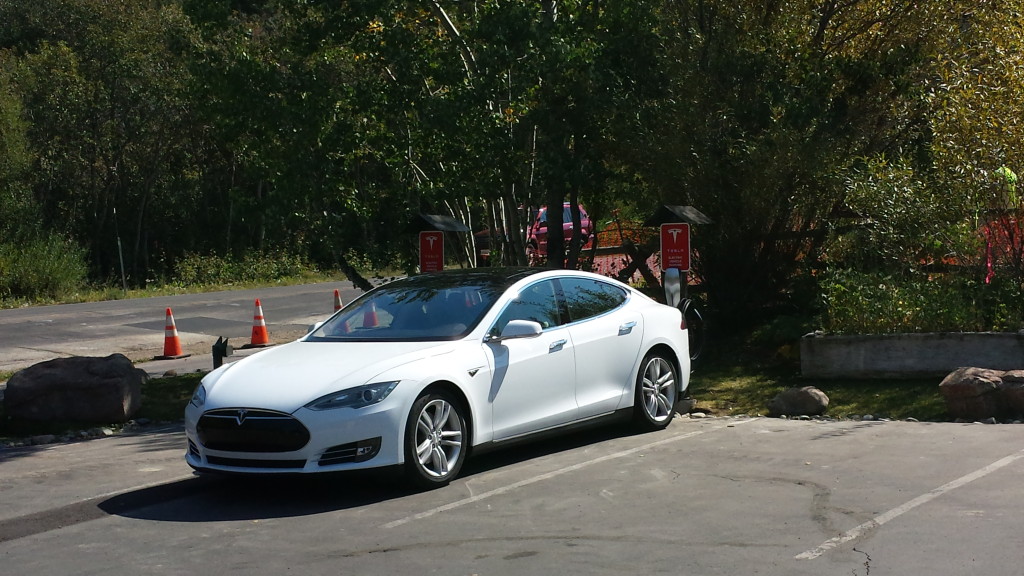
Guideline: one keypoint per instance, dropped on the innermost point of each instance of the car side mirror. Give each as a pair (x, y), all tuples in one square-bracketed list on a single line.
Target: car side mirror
[(518, 329)]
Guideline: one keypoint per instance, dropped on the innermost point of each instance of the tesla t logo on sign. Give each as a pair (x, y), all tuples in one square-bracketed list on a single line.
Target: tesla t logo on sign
[(675, 247), (431, 251)]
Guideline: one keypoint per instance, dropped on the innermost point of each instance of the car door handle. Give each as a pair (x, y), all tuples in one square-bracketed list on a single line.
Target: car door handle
[(626, 328), (556, 345)]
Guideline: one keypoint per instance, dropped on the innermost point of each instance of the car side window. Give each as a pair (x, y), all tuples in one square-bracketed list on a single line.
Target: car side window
[(538, 302), (587, 298)]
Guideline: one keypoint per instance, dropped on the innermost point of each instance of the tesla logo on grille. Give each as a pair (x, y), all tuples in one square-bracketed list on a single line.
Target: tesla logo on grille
[(240, 417)]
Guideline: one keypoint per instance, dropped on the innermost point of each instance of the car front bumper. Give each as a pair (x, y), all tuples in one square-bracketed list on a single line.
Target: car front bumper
[(338, 440)]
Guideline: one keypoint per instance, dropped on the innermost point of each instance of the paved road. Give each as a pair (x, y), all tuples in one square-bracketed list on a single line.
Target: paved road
[(712, 496), (135, 327)]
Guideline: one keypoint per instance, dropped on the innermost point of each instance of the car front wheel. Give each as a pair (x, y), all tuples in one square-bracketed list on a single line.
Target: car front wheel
[(656, 389), (435, 440)]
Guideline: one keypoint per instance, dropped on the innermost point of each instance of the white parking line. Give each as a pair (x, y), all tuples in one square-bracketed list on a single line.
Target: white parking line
[(877, 521), (549, 475)]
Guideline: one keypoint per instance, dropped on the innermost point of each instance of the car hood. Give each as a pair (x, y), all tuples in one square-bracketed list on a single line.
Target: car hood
[(289, 377)]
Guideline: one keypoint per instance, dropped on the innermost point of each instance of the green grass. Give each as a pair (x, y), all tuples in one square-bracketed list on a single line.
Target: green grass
[(100, 294), (722, 387), (164, 399), (744, 383)]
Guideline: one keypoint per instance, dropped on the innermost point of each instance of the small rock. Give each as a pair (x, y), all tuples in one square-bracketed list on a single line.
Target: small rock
[(802, 401), (912, 420), (698, 415), (867, 418), (42, 439)]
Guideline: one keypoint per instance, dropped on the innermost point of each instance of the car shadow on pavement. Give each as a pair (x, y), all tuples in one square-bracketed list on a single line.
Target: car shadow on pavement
[(536, 448), (232, 498)]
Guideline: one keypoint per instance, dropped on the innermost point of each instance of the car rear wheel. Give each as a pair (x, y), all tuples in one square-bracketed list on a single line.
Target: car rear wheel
[(435, 440), (656, 389)]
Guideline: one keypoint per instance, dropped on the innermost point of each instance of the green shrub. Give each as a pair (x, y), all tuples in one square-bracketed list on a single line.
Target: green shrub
[(42, 268), (206, 270), (873, 303)]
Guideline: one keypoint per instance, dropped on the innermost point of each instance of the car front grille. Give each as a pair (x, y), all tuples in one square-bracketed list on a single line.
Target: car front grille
[(246, 430)]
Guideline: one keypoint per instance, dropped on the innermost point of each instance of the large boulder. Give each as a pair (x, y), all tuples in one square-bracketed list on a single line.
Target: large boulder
[(805, 401), (1013, 393), (81, 389), (974, 393)]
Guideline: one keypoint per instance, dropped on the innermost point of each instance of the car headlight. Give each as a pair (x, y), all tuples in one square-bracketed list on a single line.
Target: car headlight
[(357, 397), (199, 396)]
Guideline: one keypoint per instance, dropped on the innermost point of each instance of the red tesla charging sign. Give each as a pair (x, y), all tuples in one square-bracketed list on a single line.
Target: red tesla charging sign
[(675, 246), (431, 251)]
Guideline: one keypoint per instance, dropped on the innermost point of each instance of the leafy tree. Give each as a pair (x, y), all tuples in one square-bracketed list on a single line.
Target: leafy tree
[(34, 263), (102, 83), (858, 133), (774, 106), (18, 215)]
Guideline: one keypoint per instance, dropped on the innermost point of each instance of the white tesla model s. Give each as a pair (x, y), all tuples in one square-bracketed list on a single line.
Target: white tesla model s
[(422, 371)]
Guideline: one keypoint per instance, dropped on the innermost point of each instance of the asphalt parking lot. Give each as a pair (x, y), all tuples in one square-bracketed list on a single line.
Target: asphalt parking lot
[(708, 496)]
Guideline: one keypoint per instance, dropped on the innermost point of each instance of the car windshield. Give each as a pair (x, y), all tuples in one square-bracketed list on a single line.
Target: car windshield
[(419, 308)]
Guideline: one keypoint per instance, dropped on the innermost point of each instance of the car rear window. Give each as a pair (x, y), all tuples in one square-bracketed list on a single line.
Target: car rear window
[(587, 298)]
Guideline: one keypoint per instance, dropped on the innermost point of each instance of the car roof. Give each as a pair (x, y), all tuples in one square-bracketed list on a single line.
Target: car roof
[(496, 278), (499, 277)]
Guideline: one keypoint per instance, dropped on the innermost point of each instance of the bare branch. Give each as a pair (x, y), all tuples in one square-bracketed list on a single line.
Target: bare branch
[(468, 60)]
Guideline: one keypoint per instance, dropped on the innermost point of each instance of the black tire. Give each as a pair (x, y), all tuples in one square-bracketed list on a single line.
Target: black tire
[(436, 440), (656, 392)]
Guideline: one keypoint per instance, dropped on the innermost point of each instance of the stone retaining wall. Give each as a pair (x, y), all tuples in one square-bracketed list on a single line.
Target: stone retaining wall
[(908, 355)]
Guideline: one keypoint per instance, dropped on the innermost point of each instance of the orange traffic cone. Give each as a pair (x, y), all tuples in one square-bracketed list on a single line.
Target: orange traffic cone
[(172, 344), (260, 337), (370, 316), (337, 300)]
